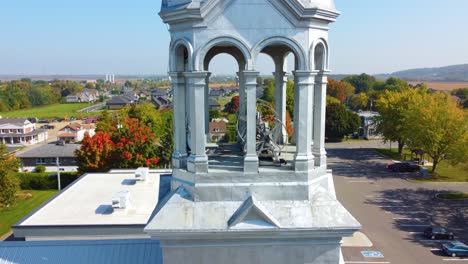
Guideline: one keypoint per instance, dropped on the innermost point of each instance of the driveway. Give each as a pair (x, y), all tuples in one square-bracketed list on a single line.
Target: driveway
[(392, 210)]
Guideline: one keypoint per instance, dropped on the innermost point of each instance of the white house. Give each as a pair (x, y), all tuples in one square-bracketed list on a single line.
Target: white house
[(20, 131), (75, 132)]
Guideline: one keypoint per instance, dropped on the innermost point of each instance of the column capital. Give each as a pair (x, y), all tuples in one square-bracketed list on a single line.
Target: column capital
[(301, 73), (251, 73), (196, 74), (324, 73)]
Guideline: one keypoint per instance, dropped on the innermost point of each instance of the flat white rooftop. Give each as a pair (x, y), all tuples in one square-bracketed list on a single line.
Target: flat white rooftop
[(89, 202)]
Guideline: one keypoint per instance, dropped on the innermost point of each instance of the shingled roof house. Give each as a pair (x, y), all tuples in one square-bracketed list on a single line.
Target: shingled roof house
[(75, 132), (20, 131)]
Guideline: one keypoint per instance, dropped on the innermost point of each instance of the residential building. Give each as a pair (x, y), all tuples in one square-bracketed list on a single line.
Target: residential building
[(217, 131), (161, 101), (85, 96), (118, 102), (20, 131), (368, 129), (212, 104), (75, 132), (47, 155)]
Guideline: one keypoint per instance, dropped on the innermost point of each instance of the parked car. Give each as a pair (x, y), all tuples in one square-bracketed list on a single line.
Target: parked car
[(403, 167), (455, 249), (436, 232)]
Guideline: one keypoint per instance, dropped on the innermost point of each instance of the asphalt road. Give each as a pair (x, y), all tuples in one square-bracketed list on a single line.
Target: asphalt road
[(392, 210)]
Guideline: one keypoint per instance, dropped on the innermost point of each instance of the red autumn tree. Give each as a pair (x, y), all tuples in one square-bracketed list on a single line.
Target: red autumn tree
[(339, 90), (95, 153), (233, 106)]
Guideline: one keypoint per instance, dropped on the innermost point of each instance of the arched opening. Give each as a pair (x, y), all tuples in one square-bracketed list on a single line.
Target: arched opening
[(225, 103), (275, 105), (181, 58), (320, 57)]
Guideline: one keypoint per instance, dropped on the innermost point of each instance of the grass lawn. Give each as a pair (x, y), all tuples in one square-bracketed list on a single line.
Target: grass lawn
[(453, 196), (23, 206), (50, 111), (444, 172)]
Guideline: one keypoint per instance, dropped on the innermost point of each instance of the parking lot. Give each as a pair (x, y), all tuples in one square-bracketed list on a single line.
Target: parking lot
[(393, 211)]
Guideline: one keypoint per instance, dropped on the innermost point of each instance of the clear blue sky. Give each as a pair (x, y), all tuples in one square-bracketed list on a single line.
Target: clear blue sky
[(128, 37)]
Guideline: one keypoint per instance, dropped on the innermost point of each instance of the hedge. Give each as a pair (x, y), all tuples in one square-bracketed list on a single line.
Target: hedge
[(45, 180)]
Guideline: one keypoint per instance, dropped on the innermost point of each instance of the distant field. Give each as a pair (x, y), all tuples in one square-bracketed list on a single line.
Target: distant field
[(51, 111), (444, 86)]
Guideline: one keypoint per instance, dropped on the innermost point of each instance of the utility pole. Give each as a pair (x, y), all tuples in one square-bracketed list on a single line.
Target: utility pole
[(58, 174)]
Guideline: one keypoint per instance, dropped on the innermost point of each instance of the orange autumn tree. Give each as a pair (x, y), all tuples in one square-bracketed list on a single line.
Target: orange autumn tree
[(95, 153), (130, 145)]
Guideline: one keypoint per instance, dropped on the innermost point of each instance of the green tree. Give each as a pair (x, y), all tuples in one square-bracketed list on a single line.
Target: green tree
[(340, 122), (290, 98), (9, 185), (392, 122), (439, 127), (359, 101), (362, 83)]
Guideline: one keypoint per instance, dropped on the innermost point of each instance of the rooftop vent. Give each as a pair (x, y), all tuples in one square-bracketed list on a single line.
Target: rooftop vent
[(121, 200), (141, 174)]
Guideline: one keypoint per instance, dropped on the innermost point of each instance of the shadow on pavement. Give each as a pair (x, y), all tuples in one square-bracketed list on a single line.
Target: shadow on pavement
[(414, 210), (362, 163)]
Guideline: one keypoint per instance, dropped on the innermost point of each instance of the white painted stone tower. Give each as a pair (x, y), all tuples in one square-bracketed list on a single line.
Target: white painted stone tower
[(231, 208)]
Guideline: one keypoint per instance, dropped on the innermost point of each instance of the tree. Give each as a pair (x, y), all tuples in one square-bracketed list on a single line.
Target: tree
[(290, 98), (233, 106), (359, 101), (439, 127), (95, 153), (9, 185), (340, 122), (214, 113), (269, 90), (392, 122), (339, 90), (362, 83)]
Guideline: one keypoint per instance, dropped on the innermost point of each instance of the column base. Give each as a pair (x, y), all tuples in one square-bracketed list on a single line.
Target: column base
[(179, 161), (197, 164), (304, 163), (251, 164), (320, 158)]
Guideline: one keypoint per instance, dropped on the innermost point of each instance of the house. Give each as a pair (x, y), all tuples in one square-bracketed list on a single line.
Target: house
[(75, 132), (161, 101), (155, 92), (212, 104), (217, 130), (368, 127), (118, 102), (85, 96), (216, 93), (47, 155), (20, 131)]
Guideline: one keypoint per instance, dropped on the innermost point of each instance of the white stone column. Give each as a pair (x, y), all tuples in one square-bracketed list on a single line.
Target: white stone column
[(197, 162), (242, 108), (179, 156), (207, 109), (280, 103), (320, 104), (251, 158), (304, 160)]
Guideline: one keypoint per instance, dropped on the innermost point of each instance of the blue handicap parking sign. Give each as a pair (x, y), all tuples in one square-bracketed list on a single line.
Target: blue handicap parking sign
[(372, 254)]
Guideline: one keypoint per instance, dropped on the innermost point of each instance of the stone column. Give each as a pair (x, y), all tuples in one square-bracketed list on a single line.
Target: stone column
[(207, 108), (304, 160), (320, 102), (197, 162), (179, 156), (242, 109), (280, 103), (251, 158)]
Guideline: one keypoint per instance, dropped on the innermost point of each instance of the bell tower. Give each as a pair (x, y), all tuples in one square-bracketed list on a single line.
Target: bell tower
[(269, 197)]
